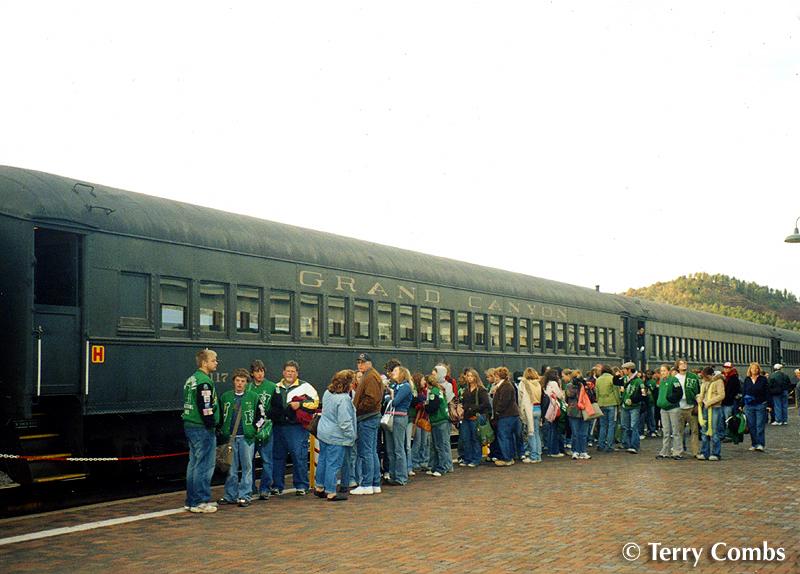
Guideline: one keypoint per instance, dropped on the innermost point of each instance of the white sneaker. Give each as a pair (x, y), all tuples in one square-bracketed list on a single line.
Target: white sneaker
[(574, 456), (361, 490), (436, 473), (760, 448), (386, 476), (712, 457), (203, 508), (526, 461), (429, 472), (462, 464), (700, 457), (472, 465), (376, 490), (752, 448), (412, 473), (584, 456)]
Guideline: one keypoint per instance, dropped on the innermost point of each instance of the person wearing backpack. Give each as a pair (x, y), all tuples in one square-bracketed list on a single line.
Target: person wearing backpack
[(779, 386), (670, 393), (635, 393)]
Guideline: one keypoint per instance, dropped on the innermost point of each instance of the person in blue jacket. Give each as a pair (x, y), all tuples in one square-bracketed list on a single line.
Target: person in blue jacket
[(401, 393), (336, 434)]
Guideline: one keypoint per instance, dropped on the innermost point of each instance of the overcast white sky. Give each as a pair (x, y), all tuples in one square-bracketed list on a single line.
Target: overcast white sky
[(611, 143)]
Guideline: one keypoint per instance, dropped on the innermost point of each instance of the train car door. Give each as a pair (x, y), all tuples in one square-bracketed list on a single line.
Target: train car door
[(57, 312)]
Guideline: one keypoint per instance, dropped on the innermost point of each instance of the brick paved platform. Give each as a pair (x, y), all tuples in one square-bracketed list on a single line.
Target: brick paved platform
[(557, 516)]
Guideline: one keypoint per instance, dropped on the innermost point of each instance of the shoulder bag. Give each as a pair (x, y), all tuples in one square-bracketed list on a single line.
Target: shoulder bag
[(225, 451)]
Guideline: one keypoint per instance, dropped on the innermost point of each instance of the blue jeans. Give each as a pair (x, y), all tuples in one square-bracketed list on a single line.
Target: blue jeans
[(265, 452), (520, 442), (608, 428), (368, 461), (421, 449), (555, 438), (506, 437), (727, 412), (648, 417), (396, 449), (630, 428), (535, 438), (781, 405), (579, 429), (440, 451), (468, 437), (756, 421), (330, 463), (202, 459), (290, 440), (243, 453), (712, 445)]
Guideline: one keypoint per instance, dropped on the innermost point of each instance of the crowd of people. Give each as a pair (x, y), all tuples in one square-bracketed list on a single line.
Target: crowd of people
[(376, 429)]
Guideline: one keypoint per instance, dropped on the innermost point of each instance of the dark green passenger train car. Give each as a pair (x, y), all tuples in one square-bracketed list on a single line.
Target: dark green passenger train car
[(107, 295)]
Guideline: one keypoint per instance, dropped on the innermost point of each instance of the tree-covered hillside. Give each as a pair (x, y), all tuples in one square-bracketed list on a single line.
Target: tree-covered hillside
[(727, 296)]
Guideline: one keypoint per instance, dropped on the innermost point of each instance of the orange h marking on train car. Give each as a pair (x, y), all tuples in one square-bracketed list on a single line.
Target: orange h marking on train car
[(98, 354)]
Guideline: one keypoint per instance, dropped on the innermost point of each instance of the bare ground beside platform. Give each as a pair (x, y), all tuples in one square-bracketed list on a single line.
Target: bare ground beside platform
[(558, 516)]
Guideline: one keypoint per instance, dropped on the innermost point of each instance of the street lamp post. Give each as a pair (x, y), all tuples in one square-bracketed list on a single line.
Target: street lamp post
[(794, 237)]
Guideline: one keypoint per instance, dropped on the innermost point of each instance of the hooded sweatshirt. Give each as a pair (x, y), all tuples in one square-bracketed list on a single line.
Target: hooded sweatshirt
[(733, 387), (441, 377)]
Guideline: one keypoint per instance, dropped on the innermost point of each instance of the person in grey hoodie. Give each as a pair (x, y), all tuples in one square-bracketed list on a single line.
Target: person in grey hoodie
[(440, 372), (336, 434)]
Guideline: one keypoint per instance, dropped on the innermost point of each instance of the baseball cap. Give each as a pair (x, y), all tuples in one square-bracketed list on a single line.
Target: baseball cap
[(363, 357), (777, 366), (727, 364)]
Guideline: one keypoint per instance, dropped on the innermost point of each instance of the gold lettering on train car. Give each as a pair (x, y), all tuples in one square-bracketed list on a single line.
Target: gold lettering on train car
[(562, 314), (349, 281), (378, 289), (473, 305), (547, 312), (513, 306), (429, 292), (495, 306), (412, 294), (317, 281), (531, 308)]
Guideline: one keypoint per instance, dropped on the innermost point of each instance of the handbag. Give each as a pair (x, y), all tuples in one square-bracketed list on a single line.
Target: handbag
[(596, 414), (225, 451), (423, 422), (485, 431), (455, 411), (589, 410), (387, 419), (314, 424)]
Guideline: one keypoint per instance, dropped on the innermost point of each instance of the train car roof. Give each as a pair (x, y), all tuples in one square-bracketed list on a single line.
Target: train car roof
[(43, 198)]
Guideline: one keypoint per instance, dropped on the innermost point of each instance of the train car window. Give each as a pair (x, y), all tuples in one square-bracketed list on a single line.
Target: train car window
[(536, 336), (572, 339), (212, 307), (523, 335), (592, 340), (583, 338), (407, 323), (174, 301), (660, 347), (510, 333), (653, 346), (134, 299), (612, 342), (280, 311), (561, 337), (385, 322), (57, 272), (426, 325), (309, 316), (336, 318), (248, 303), (463, 329), (361, 313), (494, 332), (601, 341), (445, 328), (549, 339), (480, 330)]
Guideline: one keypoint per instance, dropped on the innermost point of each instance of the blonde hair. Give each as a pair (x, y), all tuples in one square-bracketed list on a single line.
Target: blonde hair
[(757, 367), (203, 356), (341, 381), (531, 374), (502, 373), (476, 376)]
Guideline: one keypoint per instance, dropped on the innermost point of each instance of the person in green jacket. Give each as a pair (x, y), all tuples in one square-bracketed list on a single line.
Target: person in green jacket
[(690, 384), (241, 422), (669, 394), (635, 393), (436, 407), (264, 388), (608, 400), (200, 417)]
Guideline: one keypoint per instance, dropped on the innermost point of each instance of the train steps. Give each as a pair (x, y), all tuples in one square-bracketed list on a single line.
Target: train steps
[(43, 446)]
